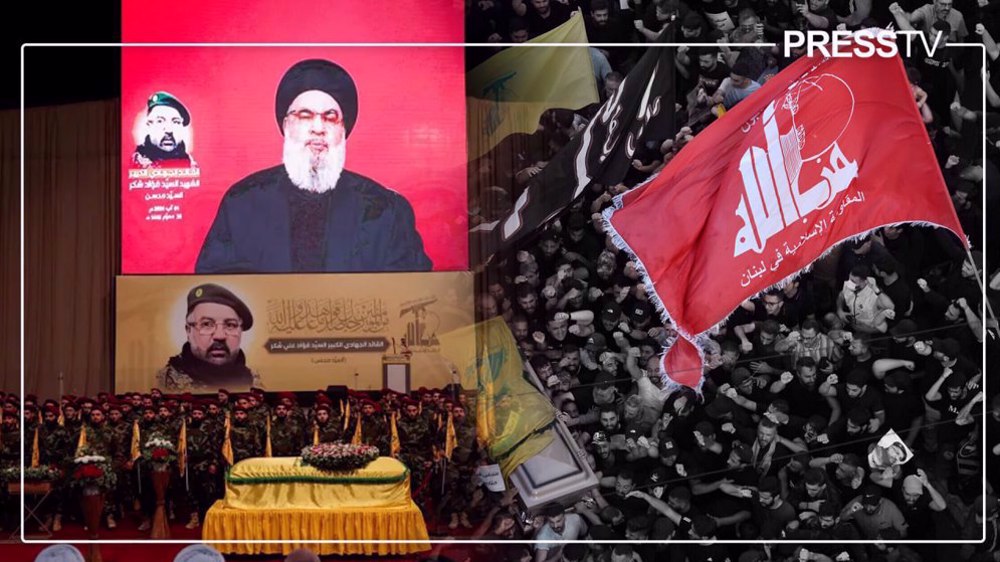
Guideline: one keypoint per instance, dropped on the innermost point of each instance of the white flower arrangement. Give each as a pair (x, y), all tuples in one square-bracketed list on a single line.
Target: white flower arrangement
[(87, 459)]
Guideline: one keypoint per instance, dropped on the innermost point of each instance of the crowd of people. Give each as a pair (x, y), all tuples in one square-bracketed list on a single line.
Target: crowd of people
[(259, 424), (782, 443)]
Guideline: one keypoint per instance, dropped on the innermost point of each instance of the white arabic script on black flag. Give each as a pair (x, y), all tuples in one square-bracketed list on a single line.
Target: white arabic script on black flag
[(642, 106)]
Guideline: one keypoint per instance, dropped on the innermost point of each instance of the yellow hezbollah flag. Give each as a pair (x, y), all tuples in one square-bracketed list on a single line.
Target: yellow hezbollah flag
[(81, 443), (512, 416), (267, 445), (509, 92), (315, 434), (182, 447), (356, 440), (394, 446), (34, 449), (347, 414), (450, 439), (227, 442), (134, 453)]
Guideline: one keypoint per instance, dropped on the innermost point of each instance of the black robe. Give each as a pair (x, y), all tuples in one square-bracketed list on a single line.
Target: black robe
[(368, 228)]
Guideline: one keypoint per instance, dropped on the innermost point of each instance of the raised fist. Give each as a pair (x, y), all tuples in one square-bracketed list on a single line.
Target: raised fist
[(787, 378), (549, 292), (634, 352), (890, 314), (746, 347), (728, 428), (961, 302), (794, 335), (731, 393), (823, 438), (980, 29), (624, 327), (538, 337), (836, 458), (560, 316), (575, 329), (832, 380)]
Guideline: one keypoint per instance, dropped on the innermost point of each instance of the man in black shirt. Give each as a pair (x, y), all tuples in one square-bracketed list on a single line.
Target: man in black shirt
[(542, 15)]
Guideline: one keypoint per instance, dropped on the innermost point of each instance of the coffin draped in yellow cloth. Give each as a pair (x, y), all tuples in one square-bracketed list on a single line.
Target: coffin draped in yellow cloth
[(283, 499)]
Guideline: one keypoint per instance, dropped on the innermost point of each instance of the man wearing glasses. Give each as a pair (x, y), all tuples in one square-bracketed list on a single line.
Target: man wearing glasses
[(211, 358), (309, 214)]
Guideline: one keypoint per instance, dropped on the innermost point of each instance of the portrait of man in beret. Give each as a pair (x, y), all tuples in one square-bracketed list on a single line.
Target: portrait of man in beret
[(167, 130), (211, 358), (309, 214)]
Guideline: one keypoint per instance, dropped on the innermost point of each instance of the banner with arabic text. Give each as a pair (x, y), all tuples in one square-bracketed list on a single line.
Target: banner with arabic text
[(827, 150), (287, 332)]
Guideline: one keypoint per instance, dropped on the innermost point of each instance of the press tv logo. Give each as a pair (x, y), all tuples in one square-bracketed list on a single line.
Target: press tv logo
[(864, 44)]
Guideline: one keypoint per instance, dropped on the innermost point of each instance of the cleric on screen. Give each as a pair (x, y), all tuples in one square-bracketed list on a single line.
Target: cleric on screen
[(309, 214)]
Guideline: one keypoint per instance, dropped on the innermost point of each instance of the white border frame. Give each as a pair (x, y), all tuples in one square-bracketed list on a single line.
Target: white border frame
[(470, 541)]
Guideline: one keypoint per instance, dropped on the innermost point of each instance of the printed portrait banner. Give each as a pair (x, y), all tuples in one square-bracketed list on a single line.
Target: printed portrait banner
[(306, 332), (196, 121), (827, 150)]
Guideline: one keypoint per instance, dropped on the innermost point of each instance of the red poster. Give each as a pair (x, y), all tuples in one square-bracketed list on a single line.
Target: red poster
[(196, 121)]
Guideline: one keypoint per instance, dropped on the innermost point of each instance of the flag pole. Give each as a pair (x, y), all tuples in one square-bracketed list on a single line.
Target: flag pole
[(982, 287)]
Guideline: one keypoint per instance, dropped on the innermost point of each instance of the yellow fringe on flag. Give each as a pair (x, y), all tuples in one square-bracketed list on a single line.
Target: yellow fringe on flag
[(394, 446), (182, 447), (227, 442), (34, 449), (347, 415)]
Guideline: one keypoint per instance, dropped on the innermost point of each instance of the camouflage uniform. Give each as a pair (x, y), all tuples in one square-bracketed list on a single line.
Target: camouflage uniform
[(416, 441), (375, 432), (331, 432), (247, 441), (287, 437), (461, 467), (205, 465), (10, 456), (125, 491)]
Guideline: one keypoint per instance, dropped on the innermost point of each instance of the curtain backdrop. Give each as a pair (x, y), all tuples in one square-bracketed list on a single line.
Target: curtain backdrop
[(71, 228)]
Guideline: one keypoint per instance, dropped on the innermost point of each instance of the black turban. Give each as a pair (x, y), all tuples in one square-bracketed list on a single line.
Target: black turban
[(322, 75)]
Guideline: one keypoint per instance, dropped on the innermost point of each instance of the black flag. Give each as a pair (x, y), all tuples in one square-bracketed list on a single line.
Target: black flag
[(642, 108)]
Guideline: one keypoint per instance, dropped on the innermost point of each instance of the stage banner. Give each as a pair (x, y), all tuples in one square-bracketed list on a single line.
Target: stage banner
[(186, 333), (293, 159)]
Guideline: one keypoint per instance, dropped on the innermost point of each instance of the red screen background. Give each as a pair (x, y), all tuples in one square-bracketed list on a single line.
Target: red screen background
[(410, 133)]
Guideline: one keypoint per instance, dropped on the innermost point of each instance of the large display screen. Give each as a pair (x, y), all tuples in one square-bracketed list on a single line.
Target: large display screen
[(186, 333), (230, 165)]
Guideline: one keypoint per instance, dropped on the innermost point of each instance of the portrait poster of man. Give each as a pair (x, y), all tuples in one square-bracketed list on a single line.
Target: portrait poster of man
[(309, 159), (199, 333)]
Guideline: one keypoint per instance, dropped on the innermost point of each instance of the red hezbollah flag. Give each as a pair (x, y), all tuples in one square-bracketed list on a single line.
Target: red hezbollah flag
[(826, 150)]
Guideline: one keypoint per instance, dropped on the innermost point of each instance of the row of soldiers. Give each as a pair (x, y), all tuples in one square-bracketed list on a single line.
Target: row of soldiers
[(414, 429)]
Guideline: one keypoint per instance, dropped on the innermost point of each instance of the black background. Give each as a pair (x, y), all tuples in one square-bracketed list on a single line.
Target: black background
[(58, 75)]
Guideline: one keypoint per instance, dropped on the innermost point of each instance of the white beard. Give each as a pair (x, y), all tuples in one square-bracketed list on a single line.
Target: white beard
[(310, 172)]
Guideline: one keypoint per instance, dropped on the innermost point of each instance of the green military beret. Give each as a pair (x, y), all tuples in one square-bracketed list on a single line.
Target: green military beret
[(210, 292), (164, 98)]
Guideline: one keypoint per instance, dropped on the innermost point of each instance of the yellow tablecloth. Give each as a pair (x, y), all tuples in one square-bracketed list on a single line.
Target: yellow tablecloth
[(287, 483), (280, 499)]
